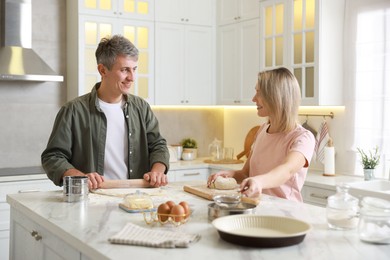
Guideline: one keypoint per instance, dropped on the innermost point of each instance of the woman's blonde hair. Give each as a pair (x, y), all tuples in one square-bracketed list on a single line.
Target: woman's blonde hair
[(281, 95)]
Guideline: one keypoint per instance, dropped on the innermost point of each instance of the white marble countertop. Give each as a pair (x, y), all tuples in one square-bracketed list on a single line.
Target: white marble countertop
[(87, 226)]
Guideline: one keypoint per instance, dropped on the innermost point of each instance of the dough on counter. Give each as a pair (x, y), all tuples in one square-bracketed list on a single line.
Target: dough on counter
[(222, 183)]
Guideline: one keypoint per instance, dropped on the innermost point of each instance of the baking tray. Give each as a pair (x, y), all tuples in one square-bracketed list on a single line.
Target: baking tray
[(261, 231)]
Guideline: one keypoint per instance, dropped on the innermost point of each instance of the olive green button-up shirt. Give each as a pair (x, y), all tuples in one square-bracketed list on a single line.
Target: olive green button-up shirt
[(78, 138)]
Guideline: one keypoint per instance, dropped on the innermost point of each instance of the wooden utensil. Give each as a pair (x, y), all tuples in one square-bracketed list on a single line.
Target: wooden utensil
[(135, 183), (204, 192), (249, 139)]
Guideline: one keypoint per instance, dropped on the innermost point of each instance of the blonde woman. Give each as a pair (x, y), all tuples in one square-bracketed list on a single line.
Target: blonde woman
[(282, 150)]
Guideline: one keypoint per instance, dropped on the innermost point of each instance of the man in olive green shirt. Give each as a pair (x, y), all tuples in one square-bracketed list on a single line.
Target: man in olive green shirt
[(108, 133)]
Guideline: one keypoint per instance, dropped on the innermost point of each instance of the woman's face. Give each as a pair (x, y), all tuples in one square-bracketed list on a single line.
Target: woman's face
[(261, 109)]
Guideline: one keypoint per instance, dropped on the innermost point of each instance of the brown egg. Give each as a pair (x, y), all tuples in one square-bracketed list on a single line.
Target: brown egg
[(163, 211), (170, 203), (186, 208), (177, 213)]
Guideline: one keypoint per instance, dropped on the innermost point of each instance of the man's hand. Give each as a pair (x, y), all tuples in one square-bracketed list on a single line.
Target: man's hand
[(94, 178), (156, 179)]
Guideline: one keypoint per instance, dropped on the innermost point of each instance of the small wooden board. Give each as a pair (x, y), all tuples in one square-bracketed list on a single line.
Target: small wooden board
[(224, 161), (204, 192)]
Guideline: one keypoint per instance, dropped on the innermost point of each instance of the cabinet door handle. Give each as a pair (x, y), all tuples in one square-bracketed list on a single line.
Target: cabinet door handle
[(36, 235), (27, 191), (318, 196), (191, 174)]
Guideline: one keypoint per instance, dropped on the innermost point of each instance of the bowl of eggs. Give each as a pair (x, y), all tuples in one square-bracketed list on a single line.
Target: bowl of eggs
[(169, 212)]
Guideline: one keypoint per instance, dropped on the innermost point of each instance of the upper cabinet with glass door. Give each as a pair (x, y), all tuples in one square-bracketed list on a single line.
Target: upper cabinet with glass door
[(306, 37), (84, 34), (135, 9)]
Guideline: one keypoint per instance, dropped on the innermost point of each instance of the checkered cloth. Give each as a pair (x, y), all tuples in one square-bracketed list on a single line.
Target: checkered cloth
[(135, 235)]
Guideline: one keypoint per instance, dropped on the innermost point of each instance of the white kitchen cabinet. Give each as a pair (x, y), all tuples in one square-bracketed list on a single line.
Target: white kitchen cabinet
[(196, 12), (133, 9), (86, 27), (232, 11), (184, 65), (317, 196), (238, 62), (32, 241), (188, 175), (13, 187), (305, 36)]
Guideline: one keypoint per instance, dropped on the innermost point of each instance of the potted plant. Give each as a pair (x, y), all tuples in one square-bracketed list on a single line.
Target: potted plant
[(369, 161), (190, 149)]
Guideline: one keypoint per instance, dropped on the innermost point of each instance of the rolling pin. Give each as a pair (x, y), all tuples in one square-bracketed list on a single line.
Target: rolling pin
[(134, 183)]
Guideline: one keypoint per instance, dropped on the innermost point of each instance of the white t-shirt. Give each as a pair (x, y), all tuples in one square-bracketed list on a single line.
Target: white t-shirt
[(115, 154)]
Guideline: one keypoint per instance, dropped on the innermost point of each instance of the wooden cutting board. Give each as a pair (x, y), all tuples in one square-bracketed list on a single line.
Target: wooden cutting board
[(204, 192)]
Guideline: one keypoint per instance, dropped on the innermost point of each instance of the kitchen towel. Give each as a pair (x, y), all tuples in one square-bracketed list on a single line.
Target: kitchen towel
[(322, 139), (135, 235)]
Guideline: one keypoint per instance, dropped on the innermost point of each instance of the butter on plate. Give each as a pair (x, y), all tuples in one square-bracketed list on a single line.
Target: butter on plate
[(137, 202)]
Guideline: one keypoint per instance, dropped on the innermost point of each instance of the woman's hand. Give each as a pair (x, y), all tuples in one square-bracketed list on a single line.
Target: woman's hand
[(250, 188), (213, 177)]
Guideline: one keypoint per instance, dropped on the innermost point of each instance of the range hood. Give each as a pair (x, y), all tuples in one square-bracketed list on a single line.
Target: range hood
[(17, 59)]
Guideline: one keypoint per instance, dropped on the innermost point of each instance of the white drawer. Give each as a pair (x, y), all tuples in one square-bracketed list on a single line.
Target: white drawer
[(4, 216), (190, 175), (316, 196), (33, 241), (25, 186)]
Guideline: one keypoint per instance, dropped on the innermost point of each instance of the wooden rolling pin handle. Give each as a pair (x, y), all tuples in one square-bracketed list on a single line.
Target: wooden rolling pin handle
[(135, 183)]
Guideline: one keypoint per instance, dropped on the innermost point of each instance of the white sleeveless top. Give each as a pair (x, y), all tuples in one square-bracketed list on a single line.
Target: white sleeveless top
[(116, 148)]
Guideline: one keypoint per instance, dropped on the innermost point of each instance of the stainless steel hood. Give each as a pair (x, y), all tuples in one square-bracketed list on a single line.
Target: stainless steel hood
[(17, 59)]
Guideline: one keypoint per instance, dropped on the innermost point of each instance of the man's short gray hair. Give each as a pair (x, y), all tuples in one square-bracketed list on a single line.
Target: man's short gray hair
[(110, 48)]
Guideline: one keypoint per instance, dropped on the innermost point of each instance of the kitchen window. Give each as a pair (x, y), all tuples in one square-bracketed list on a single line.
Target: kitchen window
[(367, 70)]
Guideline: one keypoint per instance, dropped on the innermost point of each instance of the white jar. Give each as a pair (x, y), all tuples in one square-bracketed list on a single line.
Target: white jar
[(342, 209), (374, 223)]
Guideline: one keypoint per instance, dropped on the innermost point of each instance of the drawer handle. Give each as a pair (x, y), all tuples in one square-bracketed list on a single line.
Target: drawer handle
[(318, 196), (192, 174), (27, 191), (36, 235)]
